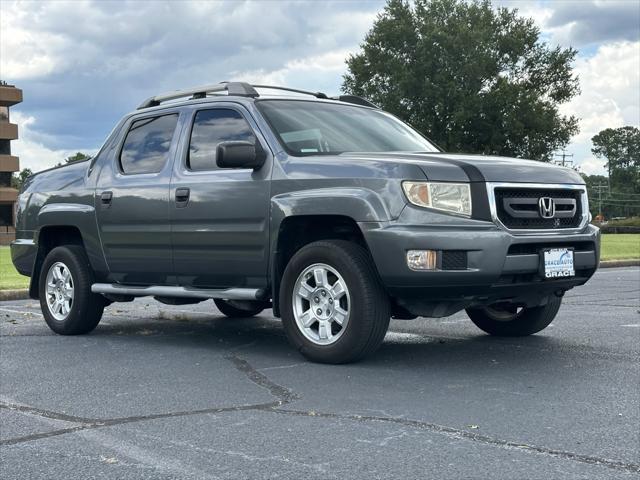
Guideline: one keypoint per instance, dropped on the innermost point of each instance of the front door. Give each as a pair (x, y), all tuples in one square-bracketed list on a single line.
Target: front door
[(132, 201), (219, 217)]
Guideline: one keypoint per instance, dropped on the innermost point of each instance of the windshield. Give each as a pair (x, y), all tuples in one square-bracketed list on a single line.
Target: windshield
[(312, 128)]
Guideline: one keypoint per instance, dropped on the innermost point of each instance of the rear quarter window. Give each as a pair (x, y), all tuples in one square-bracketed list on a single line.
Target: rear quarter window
[(146, 147)]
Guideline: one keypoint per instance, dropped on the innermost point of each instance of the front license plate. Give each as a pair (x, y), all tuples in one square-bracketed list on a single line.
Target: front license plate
[(558, 263)]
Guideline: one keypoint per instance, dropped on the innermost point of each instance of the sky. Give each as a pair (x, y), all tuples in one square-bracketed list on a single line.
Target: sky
[(82, 64)]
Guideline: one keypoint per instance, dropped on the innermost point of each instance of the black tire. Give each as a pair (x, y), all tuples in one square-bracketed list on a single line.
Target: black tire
[(86, 308), (239, 308), (527, 321), (369, 310)]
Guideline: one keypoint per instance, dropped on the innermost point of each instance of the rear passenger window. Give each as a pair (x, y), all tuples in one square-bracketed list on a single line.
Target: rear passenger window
[(210, 128), (146, 147)]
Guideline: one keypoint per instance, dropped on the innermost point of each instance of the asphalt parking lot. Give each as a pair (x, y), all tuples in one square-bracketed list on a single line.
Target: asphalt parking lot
[(182, 392)]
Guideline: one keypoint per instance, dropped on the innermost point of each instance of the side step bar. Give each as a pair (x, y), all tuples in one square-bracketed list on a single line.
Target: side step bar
[(179, 292)]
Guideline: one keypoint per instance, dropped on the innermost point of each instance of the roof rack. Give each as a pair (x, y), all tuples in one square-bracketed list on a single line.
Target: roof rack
[(242, 89), (239, 89)]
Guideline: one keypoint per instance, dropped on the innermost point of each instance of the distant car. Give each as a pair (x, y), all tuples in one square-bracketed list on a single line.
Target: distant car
[(332, 212)]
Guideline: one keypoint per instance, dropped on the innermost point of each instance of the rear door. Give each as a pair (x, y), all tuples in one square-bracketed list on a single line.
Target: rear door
[(219, 217), (132, 201)]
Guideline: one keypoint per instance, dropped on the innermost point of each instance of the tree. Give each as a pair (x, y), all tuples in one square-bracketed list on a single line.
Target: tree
[(79, 156), (620, 147), (18, 179), (471, 77)]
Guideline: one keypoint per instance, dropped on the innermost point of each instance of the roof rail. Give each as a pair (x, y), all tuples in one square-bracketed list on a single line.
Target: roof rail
[(287, 89), (242, 89)]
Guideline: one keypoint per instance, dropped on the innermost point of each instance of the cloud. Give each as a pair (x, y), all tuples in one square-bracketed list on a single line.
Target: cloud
[(610, 83), (83, 64), (593, 166), (31, 148), (588, 22)]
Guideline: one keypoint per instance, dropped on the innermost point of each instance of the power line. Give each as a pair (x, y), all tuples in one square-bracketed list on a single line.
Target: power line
[(564, 162)]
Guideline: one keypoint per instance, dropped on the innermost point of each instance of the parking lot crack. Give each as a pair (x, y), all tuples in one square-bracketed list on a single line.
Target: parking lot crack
[(282, 394), (460, 434)]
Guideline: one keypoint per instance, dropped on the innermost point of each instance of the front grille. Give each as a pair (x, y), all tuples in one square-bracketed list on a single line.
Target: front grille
[(517, 208), (454, 260)]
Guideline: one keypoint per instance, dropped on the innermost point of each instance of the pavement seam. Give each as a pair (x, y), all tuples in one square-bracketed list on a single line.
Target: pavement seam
[(466, 435)]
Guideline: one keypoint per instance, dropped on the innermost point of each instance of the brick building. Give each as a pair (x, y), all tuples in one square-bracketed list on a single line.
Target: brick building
[(9, 96)]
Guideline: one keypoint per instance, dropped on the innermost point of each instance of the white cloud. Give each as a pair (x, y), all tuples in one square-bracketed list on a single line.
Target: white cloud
[(29, 147), (610, 98), (593, 166)]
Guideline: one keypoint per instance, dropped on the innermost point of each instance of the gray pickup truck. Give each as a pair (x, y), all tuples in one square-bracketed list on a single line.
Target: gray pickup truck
[(330, 211)]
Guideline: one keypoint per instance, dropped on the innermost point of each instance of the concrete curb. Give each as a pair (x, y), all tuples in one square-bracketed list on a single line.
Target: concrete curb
[(620, 263), (6, 295)]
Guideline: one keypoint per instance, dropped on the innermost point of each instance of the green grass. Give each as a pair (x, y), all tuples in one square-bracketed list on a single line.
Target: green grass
[(9, 278), (621, 246)]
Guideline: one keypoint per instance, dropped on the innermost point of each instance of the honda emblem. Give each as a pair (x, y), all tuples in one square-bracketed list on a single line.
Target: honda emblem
[(547, 207)]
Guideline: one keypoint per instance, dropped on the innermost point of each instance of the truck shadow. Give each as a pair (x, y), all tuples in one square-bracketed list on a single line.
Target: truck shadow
[(264, 336)]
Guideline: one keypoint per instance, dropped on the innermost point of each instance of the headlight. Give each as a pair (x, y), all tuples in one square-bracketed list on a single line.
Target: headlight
[(449, 197)]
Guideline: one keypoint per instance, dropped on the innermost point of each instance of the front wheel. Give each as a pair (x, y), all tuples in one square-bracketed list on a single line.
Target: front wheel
[(334, 308), (68, 306), (507, 320)]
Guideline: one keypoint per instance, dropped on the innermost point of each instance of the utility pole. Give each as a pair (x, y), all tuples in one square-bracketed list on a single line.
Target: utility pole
[(599, 188), (564, 160)]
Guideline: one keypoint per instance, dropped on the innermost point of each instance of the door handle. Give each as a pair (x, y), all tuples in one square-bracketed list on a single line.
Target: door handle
[(182, 197), (105, 199)]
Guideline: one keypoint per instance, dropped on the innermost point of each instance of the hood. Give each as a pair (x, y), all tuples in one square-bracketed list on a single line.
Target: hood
[(455, 167)]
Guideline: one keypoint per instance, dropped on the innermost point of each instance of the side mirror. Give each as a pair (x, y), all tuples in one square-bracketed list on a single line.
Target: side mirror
[(240, 155)]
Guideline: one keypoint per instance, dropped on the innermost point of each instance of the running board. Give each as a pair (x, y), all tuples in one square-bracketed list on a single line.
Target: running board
[(179, 292)]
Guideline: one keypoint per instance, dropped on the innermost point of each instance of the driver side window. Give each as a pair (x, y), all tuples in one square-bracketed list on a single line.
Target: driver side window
[(210, 128)]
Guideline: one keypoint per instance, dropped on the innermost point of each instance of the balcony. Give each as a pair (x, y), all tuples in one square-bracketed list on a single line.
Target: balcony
[(8, 194), (9, 96), (9, 163), (8, 131)]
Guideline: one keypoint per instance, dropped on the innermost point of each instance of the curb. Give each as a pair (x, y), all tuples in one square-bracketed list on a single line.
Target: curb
[(620, 263), (6, 295)]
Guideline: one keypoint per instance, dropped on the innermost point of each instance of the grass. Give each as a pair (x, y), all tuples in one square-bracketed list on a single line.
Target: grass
[(621, 246), (9, 278), (614, 247)]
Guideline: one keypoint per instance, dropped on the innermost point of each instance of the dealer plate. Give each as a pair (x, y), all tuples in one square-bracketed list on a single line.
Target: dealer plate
[(558, 262)]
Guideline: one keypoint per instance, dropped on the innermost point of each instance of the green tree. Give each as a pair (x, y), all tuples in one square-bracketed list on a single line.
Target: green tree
[(79, 156), (473, 78), (18, 179), (620, 147)]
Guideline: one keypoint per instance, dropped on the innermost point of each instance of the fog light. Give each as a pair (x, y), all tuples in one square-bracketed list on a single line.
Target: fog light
[(421, 259)]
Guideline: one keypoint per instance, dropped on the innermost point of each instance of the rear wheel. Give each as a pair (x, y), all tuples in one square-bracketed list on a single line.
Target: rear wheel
[(239, 308), (507, 320), (334, 309), (68, 306)]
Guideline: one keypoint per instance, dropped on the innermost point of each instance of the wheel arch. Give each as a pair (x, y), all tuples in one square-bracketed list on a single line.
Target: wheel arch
[(296, 231), (50, 237)]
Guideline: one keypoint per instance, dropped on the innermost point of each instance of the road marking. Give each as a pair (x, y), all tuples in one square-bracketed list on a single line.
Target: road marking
[(636, 325)]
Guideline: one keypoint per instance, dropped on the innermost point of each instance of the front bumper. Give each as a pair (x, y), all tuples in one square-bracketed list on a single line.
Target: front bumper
[(499, 265)]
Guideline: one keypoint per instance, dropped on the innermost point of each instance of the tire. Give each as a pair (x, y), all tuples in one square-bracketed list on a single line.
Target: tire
[(84, 308), (365, 303), (505, 323), (238, 308)]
